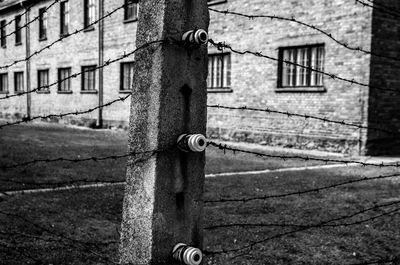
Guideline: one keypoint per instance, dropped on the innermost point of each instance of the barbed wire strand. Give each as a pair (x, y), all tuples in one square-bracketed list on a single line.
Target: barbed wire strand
[(381, 8), (301, 192), (33, 20), (86, 246), (221, 45), (108, 14), (294, 20), (358, 222), (252, 244), (305, 116), (105, 64), (23, 14), (225, 147)]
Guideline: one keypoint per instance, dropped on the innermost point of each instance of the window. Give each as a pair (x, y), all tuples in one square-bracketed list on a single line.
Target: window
[(3, 83), (214, 2), (19, 81), (131, 10), (219, 71), (42, 24), (18, 37), (65, 85), (292, 75), (89, 78), (3, 33), (89, 12), (127, 70), (64, 17), (43, 81)]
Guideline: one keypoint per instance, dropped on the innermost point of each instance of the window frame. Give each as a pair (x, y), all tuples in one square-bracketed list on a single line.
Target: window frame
[(87, 6), (64, 17), (15, 82), (128, 3), (18, 30), (122, 75), (300, 88), (3, 33), (46, 88), (223, 88), (2, 90), (42, 23), (67, 81), (84, 71)]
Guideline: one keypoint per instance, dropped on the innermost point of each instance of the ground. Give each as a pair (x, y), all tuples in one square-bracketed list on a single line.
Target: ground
[(81, 226)]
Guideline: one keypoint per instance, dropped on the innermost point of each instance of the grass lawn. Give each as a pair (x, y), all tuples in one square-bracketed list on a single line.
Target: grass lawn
[(82, 226)]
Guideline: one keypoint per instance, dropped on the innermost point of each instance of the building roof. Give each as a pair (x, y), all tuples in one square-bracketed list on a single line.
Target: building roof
[(4, 4)]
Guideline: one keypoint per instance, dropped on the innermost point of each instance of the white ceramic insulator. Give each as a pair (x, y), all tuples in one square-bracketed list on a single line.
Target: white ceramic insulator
[(199, 36), (190, 255), (197, 143)]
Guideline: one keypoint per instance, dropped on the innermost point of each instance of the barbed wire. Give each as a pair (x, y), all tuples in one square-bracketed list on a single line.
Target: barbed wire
[(33, 20), (81, 245), (282, 225), (225, 147), (252, 244), (380, 7), (301, 192), (221, 45), (305, 116), (61, 115), (294, 20), (105, 64), (108, 14), (80, 160), (23, 14)]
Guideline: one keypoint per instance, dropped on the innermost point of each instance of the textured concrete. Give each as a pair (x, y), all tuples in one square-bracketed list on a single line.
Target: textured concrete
[(162, 199)]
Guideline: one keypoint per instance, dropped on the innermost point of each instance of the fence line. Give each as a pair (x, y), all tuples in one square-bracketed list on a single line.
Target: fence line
[(282, 225), (24, 13), (222, 45), (305, 116), (105, 64), (318, 189), (251, 245), (33, 20), (108, 14), (294, 20), (85, 246), (225, 147), (380, 7)]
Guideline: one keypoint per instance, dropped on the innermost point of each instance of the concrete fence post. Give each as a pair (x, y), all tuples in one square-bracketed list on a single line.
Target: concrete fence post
[(163, 195)]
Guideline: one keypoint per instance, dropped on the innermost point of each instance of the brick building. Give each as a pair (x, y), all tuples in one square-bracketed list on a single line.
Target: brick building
[(234, 79)]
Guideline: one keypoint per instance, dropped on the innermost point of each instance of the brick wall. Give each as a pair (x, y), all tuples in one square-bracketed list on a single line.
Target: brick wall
[(254, 80)]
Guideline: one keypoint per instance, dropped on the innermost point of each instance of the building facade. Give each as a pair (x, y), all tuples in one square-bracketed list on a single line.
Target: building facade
[(361, 92)]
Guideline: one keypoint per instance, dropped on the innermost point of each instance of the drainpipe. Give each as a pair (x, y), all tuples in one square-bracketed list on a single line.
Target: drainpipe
[(28, 62), (101, 62)]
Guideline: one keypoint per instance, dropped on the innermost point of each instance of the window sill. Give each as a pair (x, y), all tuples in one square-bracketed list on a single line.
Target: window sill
[(91, 28), (43, 92), (217, 2), (18, 44), (4, 92), (219, 90), (4, 46), (43, 39), (125, 91), (64, 35), (89, 91), (64, 92), (301, 89), (130, 20)]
